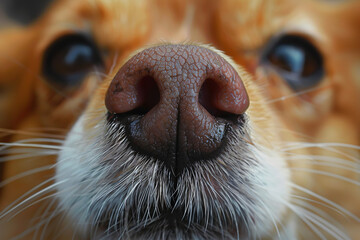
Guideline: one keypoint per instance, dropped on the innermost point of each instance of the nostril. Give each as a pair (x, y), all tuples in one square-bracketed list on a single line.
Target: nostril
[(207, 97), (132, 95), (149, 94)]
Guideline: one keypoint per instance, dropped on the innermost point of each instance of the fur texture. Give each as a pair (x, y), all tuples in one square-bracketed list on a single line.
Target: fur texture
[(291, 172)]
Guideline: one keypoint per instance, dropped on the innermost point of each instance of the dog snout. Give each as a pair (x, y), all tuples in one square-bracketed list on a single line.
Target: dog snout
[(175, 103)]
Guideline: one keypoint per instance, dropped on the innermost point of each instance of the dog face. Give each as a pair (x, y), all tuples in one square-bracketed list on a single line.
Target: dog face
[(172, 138)]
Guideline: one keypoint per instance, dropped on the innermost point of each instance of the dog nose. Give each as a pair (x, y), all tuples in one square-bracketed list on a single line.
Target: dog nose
[(176, 103)]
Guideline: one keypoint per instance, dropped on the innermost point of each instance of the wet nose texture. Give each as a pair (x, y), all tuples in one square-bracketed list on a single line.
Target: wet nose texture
[(176, 103)]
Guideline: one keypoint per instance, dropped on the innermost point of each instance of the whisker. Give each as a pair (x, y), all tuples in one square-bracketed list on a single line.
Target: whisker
[(325, 225), (33, 197), (296, 94), (26, 173), (319, 172), (29, 133), (331, 203), (29, 145), (305, 199), (305, 219), (28, 155), (272, 219), (38, 140), (320, 159), (63, 131), (293, 132), (39, 224), (304, 205), (26, 194), (334, 165), (325, 146), (16, 203), (53, 214), (40, 215)]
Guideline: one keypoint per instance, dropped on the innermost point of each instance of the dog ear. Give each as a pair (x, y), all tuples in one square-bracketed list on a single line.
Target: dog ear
[(16, 75), (15, 88), (24, 11)]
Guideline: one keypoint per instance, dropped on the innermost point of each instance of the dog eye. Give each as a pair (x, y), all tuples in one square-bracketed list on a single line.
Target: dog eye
[(296, 60), (69, 59)]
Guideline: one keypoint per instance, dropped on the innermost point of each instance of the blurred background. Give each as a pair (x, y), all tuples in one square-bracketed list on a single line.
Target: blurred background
[(21, 11)]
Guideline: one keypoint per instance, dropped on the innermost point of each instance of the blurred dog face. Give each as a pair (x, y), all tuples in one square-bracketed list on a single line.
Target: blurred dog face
[(178, 140)]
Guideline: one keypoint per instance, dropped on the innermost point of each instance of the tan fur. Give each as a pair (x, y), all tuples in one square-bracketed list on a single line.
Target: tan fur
[(240, 28)]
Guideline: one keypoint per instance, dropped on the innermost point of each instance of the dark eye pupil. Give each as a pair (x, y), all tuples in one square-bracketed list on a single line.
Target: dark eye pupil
[(69, 59), (73, 59), (293, 59), (297, 61)]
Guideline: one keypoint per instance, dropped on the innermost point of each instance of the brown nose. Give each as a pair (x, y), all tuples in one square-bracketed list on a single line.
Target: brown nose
[(176, 103)]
